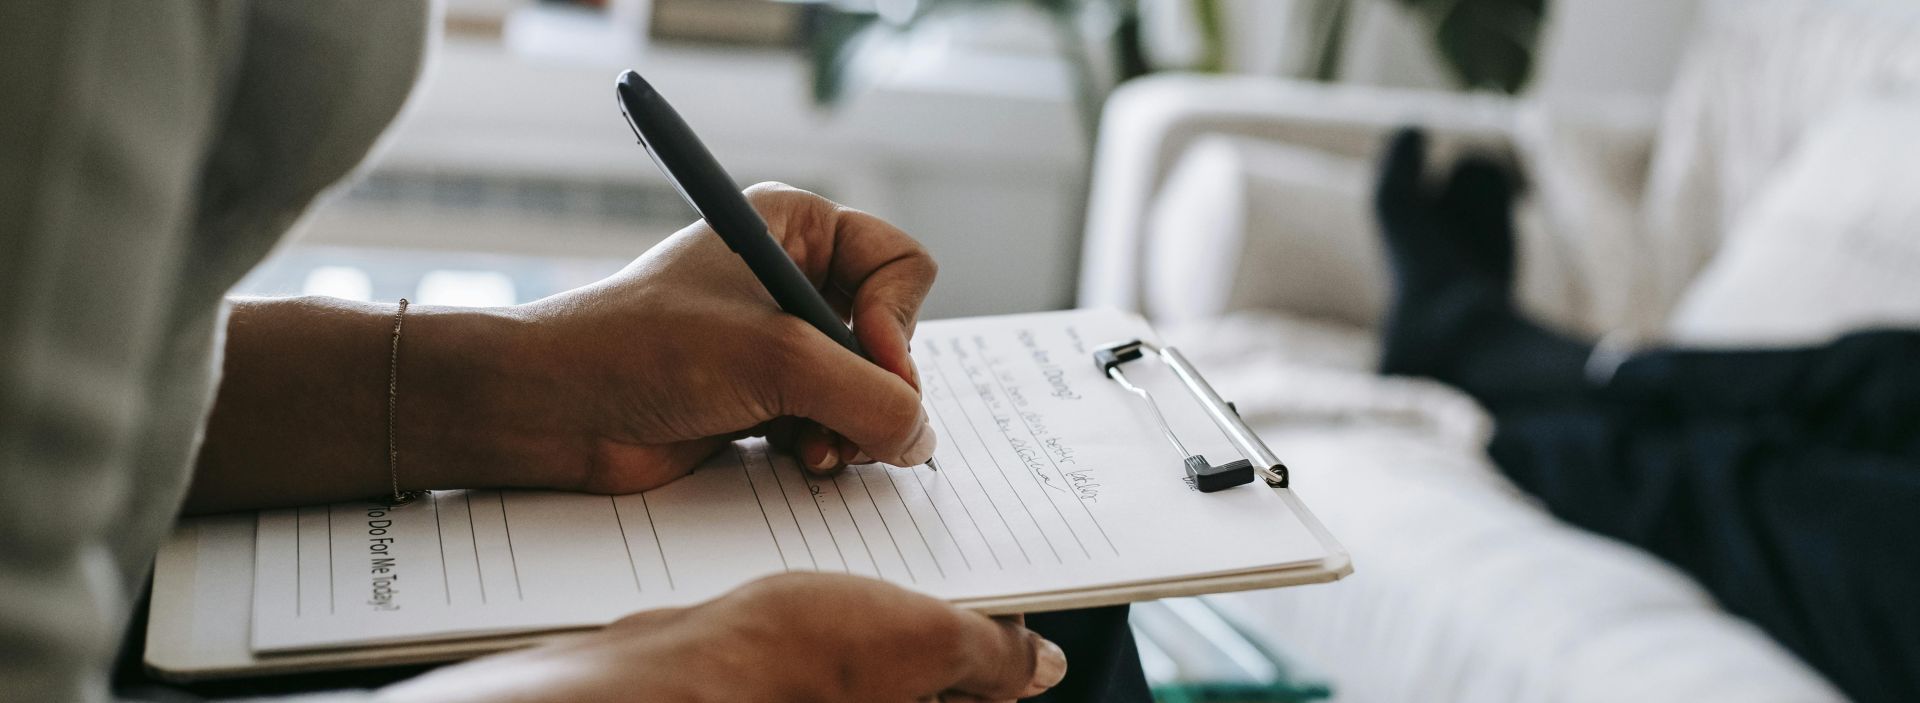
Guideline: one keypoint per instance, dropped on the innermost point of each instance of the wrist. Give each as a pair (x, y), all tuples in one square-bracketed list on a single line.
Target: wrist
[(474, 408)]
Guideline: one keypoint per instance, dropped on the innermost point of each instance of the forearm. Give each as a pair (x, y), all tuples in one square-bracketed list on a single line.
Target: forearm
[(301, 414)]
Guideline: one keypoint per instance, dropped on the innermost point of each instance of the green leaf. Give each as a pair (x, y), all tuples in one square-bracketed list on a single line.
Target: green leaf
[(1487, 43), (833, 41), (1213, 36)]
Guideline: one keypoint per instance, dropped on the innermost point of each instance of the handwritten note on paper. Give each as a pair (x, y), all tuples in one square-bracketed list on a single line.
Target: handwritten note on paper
[(1054, 480)]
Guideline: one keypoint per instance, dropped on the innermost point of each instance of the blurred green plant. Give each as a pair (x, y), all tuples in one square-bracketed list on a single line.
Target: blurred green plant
[(1486, 44), (1489, 44), (836, 36)]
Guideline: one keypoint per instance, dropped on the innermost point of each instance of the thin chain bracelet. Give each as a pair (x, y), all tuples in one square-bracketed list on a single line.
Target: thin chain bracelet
[(399, 497)]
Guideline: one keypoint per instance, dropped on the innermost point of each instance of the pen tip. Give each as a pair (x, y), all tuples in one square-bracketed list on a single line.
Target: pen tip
[(931, 464)]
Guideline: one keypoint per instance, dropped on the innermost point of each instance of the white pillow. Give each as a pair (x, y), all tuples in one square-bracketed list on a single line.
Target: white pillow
[(1247, 223), (1760, 74), (1831, 243)]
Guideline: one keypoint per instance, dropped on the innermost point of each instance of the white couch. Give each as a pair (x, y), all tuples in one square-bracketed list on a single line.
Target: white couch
[(1235, 211)]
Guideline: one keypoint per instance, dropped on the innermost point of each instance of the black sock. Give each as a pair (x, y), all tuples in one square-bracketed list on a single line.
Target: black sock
[(1452, 258)]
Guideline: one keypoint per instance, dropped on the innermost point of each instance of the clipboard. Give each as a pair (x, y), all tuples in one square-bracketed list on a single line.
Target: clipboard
[(200, 623), (198, 626)]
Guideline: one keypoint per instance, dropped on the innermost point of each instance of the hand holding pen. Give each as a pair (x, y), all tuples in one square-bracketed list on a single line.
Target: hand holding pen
[(712, 193)]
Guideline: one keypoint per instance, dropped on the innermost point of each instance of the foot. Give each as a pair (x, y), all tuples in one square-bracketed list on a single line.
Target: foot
[(1451, 254)]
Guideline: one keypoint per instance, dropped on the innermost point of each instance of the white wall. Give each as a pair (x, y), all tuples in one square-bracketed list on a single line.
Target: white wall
[(1612, 46), (978, 157)]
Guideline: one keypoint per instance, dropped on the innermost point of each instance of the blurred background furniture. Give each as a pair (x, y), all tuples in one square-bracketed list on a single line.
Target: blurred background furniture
[(1236, 212), (509, 174)]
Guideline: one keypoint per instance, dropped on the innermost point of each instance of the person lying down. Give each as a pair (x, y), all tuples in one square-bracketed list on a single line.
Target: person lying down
[(1787, 481)]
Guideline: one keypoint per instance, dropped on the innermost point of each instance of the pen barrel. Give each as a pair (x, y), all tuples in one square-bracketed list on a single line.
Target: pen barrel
[(706, 186), (784, 280)]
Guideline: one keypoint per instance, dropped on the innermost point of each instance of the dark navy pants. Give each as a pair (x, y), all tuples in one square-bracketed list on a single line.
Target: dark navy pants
[(1102, 663), (1787, 482)]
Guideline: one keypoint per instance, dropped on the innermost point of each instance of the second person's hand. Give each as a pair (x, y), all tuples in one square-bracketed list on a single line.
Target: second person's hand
[(800, 637)]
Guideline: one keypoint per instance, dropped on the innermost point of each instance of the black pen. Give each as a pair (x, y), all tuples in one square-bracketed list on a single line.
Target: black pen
[(714, 195)]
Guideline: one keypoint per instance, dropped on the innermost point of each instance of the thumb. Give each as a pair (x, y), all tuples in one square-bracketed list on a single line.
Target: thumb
[(1005, 660), (850, 395)]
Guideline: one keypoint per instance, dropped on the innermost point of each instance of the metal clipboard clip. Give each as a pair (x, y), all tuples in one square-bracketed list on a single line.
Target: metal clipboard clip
[(1206, 476)]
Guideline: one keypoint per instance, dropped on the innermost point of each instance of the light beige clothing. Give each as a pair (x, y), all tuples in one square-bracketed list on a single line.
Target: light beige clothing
[(150, 154)]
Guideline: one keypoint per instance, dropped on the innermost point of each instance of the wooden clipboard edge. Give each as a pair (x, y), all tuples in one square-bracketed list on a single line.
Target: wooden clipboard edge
[(1337, 565), (344, 659), (178, 561), (1338, 559), (1322, 572), (176, 564), (454, 650)]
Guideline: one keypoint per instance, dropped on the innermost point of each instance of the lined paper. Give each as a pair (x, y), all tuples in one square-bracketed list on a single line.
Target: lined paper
[(1053, 480)]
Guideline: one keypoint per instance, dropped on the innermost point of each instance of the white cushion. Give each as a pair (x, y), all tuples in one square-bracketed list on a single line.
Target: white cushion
[(1245, 223), (1760, 75), (1242, 220), (1831, 244)]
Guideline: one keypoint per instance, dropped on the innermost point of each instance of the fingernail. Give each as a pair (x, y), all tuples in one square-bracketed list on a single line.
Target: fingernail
[(1049, 667), (923, 445), (860, 457), (828, 458)]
